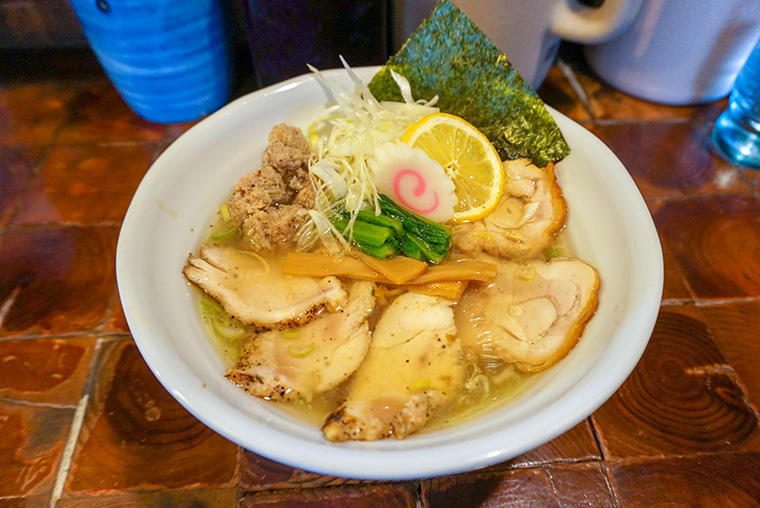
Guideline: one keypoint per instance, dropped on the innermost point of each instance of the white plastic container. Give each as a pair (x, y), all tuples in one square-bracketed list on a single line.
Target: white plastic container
[(527, 31), (680, 52)]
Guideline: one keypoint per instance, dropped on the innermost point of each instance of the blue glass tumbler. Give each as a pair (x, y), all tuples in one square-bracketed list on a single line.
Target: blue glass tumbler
[(736, 135), (168, 59)]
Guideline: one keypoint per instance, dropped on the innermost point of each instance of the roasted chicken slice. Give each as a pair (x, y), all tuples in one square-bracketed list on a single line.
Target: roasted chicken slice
[(529, 214), (531, 315), (255, 290), (414, 365), (297, 363)]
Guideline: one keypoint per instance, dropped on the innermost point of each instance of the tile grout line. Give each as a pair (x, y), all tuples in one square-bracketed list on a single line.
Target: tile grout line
[(68, 451), (606, 473), (725, 301), (62, 225), (71, 335), (31, 403), (551, 481)]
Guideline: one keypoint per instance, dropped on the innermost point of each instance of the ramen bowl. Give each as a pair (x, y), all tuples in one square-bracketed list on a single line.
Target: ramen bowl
[(609, 225)]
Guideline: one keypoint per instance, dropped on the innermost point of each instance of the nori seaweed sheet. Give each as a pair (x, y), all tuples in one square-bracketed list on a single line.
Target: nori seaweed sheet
[(449, 56)]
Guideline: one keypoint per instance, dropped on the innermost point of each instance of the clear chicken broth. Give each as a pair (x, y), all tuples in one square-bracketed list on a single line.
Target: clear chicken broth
[(487, 386)]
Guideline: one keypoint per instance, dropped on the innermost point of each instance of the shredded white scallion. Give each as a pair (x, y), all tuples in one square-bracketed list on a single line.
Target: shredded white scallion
[(343, 139)]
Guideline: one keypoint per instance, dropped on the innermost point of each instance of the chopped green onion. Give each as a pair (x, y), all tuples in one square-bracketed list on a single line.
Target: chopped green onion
[(226, 234), (291, 334), (221, 323), (424, 383), (301, 353), (527, 272), (227, 329), (225, 212), (556, 250)]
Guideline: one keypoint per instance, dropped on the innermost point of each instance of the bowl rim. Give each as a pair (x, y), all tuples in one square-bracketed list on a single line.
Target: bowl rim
[(383, 464)]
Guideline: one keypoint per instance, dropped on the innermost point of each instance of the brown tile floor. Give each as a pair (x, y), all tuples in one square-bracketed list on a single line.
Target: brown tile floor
[(683, 429)]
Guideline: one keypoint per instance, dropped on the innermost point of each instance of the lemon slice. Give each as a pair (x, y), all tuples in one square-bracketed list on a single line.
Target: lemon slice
[(470, 160)]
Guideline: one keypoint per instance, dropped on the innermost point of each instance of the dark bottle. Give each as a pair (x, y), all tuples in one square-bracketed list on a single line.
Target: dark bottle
[(284, 36)]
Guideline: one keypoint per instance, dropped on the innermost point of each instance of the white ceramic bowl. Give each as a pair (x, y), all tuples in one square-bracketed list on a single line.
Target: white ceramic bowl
[(610, 227)]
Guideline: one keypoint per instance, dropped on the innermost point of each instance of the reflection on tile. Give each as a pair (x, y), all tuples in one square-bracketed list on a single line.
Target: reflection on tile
[(556, 485), (31, 442), (681, 399), (715, 240), (16, 166), (85, 184), (674, 287), (557, 93), (116, 322), (514, 488), (607, 103), (189, 498), (56, 279), (133, 424), (175, 130), (259, 473), (31, 113), (576, 444), (380, 495), (712, 480), (753, 177), (45, 370), (580, 484), (99, 115), (670, 159), (735, 327), (38, 501)]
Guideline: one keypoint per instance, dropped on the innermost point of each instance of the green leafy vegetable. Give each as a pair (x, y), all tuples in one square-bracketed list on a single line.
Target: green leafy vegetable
[(410, 249), (450, 56), (431, 232), (368, 215), (395, 230), (384, 251), (364, 233), (426, 250)]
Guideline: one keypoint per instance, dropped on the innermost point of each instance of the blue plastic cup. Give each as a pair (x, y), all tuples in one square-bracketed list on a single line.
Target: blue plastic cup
[(736, 135), (168, 59)]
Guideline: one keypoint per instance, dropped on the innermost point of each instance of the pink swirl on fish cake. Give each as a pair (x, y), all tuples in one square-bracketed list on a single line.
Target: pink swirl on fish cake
[(419, 190)]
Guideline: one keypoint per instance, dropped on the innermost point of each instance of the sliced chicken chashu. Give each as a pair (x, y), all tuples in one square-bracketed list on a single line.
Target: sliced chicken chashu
[(413, 366), (256, 291), (297, 363), (529, 214), (531, 315)]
